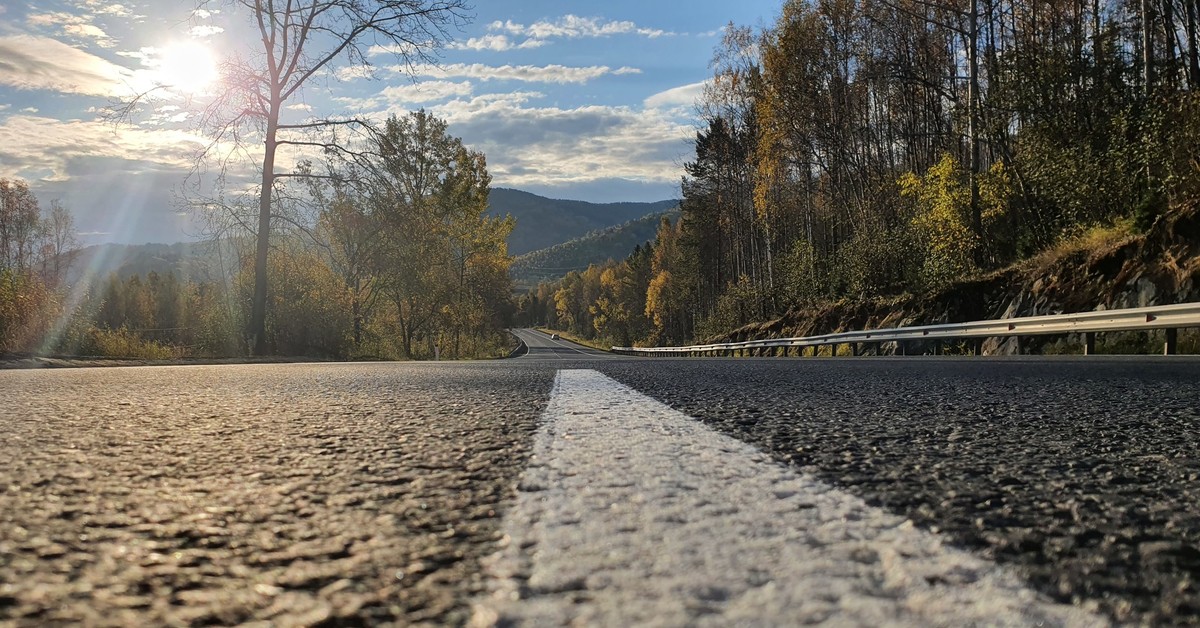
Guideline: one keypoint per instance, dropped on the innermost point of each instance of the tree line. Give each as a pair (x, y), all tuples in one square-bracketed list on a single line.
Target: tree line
[(392, 255), (859, 149)]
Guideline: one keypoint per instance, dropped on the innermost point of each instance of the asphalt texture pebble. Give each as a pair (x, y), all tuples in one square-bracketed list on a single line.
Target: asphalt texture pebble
[(1082, 474), (294, 494)]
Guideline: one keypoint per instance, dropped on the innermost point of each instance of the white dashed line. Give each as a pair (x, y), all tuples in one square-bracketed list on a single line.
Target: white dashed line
[(633, 513)]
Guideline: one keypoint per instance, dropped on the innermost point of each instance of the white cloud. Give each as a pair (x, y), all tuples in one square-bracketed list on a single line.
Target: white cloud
[(41, 63), (29, 110), (90, 31), (78, 26), (147, 55), (560, 74), (497, 43), (574, 27), (355, 72), (396, 98), (299, 107), (550, 146), (425, 92), (49, 147), (676, 97), (206, 31), (118, 10)]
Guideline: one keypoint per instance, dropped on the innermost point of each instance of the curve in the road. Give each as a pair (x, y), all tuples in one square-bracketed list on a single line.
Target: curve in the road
[(542, 346)]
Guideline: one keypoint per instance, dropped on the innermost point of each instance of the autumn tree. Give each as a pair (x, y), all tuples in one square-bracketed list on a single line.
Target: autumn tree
[(443, 261), (36, 250), (301, 42)]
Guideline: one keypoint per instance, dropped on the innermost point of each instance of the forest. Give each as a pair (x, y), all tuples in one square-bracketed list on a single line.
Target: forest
[(390, 257), (854, 150)]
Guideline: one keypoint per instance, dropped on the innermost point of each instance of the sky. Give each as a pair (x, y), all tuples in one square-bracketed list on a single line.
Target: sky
[(567, 98)]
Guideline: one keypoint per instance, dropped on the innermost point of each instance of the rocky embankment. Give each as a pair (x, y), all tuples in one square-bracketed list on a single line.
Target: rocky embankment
[(1159, 267)]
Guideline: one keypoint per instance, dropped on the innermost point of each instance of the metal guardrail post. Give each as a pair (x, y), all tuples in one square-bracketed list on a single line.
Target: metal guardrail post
[(1171, 345), (1089, 343)]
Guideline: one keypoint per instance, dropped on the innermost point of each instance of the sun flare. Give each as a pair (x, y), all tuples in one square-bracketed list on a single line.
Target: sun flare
[(187, 67)]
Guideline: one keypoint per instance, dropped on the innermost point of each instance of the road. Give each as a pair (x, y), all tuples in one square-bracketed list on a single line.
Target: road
[(568, 485), (542, 346)]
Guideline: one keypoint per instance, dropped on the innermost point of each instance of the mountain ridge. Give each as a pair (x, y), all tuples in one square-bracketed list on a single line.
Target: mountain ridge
[(543, 222), (596, 247)]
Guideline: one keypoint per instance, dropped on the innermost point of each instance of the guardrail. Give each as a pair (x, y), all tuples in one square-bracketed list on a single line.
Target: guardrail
[(1168, 317)]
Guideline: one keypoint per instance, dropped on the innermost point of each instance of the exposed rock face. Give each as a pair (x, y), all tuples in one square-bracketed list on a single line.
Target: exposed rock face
[(1159, 267)]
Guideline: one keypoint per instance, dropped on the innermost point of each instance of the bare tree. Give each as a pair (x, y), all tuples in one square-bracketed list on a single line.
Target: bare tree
[(61, 244), (303, 41)]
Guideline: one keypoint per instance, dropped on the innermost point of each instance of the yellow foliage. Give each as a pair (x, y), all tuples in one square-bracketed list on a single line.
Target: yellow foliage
[(122, 343), (943, 198), (658, 299)]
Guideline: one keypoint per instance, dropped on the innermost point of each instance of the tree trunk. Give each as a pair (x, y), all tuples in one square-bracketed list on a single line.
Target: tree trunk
[(1147, 49), (1168, 22), (356, 307), (258, 312), (973, 126), (1193, 61)]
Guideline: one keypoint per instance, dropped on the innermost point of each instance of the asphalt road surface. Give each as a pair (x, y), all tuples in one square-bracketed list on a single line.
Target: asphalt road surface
[(556, 488)]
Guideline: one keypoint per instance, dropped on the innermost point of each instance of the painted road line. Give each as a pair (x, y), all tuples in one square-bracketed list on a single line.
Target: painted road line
[(633, 513)]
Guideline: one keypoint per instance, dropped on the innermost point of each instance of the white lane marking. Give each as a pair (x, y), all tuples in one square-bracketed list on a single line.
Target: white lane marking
[(632, 513)]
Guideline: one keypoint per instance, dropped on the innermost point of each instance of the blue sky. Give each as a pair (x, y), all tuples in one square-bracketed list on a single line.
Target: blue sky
[(582, 100)]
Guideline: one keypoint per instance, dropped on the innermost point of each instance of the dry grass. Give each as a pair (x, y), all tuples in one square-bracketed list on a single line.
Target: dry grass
[(1091, 242)]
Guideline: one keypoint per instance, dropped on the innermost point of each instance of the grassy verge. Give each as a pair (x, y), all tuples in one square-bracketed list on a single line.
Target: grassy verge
[(595, 344)]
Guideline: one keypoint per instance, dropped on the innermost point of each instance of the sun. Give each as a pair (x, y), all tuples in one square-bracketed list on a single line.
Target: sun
[(187, 67)]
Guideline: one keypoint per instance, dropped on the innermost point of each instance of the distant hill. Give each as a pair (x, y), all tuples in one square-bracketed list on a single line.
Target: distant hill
[(543, 222), (197, 261), (596, 247)]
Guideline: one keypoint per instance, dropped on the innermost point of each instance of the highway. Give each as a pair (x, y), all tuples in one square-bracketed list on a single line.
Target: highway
[(569, 486)]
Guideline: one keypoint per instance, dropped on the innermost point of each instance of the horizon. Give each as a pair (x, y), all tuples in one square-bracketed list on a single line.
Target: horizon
[(88, 245)]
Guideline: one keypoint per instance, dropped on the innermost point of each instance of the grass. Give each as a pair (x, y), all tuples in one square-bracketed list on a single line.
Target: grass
[(122, 343), (576, 339), (1093, 241)]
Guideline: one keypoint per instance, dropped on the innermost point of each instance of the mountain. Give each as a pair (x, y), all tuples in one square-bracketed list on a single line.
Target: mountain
[(596, 247), (543, 222), (197, 261)]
